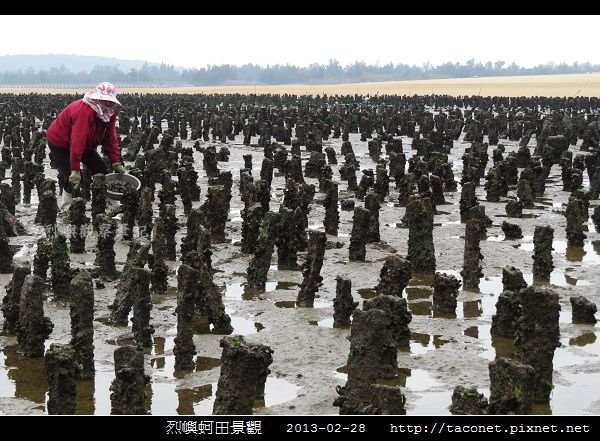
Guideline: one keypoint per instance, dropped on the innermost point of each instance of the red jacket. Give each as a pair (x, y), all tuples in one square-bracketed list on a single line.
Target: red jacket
[(78, 129)]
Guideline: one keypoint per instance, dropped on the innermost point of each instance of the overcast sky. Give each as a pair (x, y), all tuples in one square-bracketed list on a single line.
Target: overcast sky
[(196, 41)]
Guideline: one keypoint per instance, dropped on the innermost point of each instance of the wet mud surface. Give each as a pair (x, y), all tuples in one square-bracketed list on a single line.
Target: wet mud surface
[(310, 354)]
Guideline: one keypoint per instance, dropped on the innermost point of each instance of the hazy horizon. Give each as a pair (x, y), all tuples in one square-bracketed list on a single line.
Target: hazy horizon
[(201, 41)]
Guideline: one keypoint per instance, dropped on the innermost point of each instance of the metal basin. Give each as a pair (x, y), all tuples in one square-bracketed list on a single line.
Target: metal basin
[(122, 178)]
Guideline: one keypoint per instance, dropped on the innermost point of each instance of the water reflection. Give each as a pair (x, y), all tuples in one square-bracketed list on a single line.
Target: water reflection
[(366, 293), (583, 340), (472, 331), (23, 377), (420, 308)]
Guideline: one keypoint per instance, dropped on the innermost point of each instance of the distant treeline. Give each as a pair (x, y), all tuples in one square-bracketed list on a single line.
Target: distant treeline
[(333, 72)]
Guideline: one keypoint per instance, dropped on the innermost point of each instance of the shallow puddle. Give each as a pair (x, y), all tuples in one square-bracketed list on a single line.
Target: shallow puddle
[(573, 392), (324, 323), (412, 379), (548, 202), (292, 304), (576, 351), (93, 397), (558, 278), (162, 359), (397, 225), (400, 380), (418, 292), (576, 396), (241, 325), (472, 331), (448, 223), (171, 293), (494, 347), (430, 403), (241, 290), (25, 378), (493, 285), (25, 250), (420, 380), (583, 339), (188, 398), (200, 400), (123, 341), (472, 309), (22, 377), (366, 293), (590, 227), (422, 343), (572, 353), (235, 216), (286, 285), (588, 254), (286, 304), (421, 279), (420, 308)]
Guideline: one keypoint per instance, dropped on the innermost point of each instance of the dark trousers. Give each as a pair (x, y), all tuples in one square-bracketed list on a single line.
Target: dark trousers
[(91, 159)]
